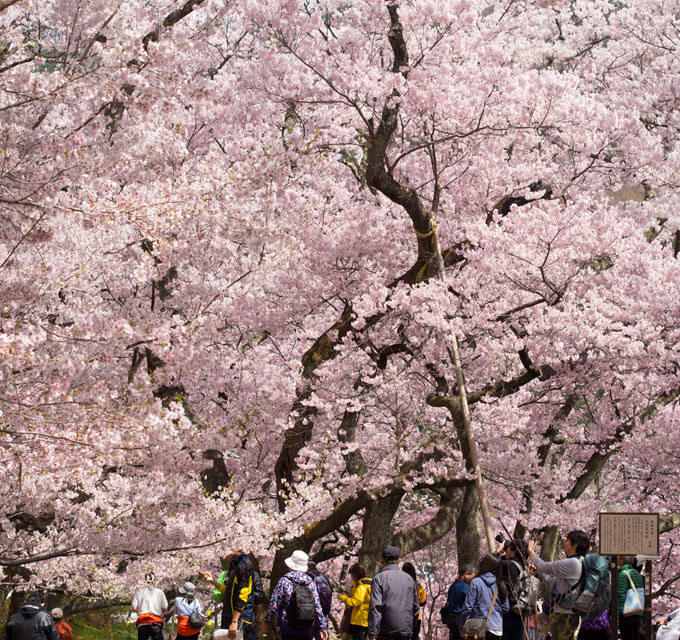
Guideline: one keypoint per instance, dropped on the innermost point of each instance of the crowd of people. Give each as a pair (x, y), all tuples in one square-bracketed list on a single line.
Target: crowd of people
[(387, 606), (519, 596), (512, 595)]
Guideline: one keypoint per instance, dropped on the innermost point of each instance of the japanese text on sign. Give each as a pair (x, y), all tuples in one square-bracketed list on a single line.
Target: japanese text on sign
[(629, 534)]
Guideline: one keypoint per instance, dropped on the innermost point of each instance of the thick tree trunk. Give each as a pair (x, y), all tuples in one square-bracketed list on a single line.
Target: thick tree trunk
[(550, 544), (467, 528), (377, 531)]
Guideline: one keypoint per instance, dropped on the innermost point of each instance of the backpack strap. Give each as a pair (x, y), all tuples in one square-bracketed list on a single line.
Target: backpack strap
[(517, 564), (493, 602), (634, 588), (581, 579)]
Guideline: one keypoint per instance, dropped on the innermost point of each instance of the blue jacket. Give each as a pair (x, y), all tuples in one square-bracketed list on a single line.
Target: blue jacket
[(478, 601), (456, 597)]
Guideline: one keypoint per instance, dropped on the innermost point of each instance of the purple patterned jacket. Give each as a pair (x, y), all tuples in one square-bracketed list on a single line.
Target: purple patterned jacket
[(278, 603)]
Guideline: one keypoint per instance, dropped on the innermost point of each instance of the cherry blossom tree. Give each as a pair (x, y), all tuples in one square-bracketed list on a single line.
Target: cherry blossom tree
[(239, 239)]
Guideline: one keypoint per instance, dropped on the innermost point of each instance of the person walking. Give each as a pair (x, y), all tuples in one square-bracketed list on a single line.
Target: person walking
[(324, 589), (455, 599), (149, 603), (295, 603), (63, 627), (31, 622), (562, 576), (409, 567), (359, 599), (629, 626), (185, 605), (235, 588), (394, 608), (487, 598)]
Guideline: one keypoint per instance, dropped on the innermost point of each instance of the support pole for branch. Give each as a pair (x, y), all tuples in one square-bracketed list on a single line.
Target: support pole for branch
[(472, 444), (462, 393)]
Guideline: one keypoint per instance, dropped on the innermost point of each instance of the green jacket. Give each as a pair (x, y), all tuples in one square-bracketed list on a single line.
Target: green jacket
[(218, 596), (624, 584)]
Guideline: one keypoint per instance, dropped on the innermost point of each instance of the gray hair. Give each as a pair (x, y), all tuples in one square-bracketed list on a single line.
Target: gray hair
[(221, 634)]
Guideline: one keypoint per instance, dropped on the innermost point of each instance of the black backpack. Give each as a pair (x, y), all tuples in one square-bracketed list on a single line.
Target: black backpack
[(258, 591), (301, 610)]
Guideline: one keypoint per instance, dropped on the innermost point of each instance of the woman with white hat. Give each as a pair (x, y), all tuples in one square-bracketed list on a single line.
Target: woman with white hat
[(295, 604), (185, 605)]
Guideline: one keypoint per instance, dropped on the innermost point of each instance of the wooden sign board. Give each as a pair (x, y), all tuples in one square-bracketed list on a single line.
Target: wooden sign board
[(629, 534)]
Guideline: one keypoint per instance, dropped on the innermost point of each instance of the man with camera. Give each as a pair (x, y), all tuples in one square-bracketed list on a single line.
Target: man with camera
[(513, 555)]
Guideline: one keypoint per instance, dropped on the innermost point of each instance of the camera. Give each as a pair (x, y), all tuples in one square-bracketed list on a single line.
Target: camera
[(500, 538)]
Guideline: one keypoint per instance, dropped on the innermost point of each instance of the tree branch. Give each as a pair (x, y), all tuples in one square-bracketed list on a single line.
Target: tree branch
[(411, 540), (597, 460)]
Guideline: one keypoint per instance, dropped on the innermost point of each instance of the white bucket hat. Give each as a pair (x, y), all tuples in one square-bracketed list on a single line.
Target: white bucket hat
[(188, 589), (298, 561)]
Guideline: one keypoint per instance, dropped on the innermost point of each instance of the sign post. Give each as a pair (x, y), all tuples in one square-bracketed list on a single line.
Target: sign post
[(648, 600), (630, 534)]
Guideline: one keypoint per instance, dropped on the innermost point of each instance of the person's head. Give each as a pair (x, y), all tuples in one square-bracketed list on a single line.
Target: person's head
[(188, 589), (491, 564), (466, 572), (575, 543), (150, 577), (389, 555), (408, 567), (298, 561), (57, 613), (221, 634), (312, 570), (357, 572), (517, 549), (621, 560), (234, 558), (35, 599), (488, 564)]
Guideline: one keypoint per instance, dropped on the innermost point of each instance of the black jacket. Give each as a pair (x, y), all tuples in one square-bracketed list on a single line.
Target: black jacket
[(511, 571), (31, 623), (238, 595)]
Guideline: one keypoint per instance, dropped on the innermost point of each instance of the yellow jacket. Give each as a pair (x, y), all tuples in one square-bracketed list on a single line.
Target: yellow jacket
[(422, 599), (359, 598)]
